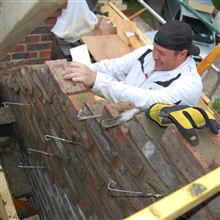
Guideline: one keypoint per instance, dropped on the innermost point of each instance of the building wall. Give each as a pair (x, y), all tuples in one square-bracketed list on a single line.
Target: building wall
[(35, 48), (138, 155)]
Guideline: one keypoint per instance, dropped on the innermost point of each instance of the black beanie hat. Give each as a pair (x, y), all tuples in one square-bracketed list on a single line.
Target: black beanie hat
[(177, 36)]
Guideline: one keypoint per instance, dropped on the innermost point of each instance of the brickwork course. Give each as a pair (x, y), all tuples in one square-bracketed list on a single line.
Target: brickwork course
[(35, 48), (137, 156)]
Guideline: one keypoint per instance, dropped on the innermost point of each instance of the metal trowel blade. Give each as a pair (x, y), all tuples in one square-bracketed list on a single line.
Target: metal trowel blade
[(120, 119)]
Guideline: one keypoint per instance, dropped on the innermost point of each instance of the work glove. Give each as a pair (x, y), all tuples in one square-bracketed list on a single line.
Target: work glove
[(185, 118)]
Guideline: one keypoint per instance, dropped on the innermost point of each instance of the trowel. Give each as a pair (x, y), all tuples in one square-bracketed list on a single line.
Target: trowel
[(122, 118)]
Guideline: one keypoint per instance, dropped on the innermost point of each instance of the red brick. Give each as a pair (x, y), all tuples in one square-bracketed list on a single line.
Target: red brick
[(6, 58), (79, 100), (45, 54), (116, 163), (33, 38), (81, 203), (41, 109), (20, 56), (32, 55), (58, 12), (27, 62), (197, 153), (51, 21), (98, 182), (56, 68), (115, 109), (19, 48), (215, 139), (39, 46), (183, 155), (46, 37)]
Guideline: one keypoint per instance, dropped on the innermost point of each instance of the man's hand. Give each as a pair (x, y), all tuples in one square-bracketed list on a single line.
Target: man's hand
[(78, 72)]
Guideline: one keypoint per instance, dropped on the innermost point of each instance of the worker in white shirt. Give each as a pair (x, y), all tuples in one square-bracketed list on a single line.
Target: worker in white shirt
[(166, 73)]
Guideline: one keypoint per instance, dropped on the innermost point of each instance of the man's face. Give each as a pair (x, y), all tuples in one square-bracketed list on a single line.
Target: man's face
[(166, 59)]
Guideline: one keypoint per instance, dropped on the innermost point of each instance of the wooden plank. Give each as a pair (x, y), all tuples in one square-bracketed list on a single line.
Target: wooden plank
[(7, 208), (21, 17), (203, 104), (115, 14), (106, 46), (117, 11), (137, 13), (123, 26), (133, 41), (3, 213)]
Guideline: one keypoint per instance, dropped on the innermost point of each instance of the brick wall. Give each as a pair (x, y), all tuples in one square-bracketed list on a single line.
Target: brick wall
[(138, 155), (35, 48)]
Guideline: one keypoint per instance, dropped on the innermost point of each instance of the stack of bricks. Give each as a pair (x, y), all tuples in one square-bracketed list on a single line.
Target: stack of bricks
[(137, 156), (35, 48)]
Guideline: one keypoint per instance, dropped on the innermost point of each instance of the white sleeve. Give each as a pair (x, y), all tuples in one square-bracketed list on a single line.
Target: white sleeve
[(118, 68), (186, 92)]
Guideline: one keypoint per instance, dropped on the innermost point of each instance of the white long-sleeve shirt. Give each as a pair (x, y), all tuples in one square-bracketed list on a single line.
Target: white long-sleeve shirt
[(124, 79)]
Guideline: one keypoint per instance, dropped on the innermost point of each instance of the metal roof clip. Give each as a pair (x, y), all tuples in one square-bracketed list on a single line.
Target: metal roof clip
[(48, 137), (86, 117), (30, 167), (6, 104), (134, 193), (31, 150)]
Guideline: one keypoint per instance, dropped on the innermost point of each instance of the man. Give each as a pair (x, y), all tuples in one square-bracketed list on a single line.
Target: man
[(165, 74)]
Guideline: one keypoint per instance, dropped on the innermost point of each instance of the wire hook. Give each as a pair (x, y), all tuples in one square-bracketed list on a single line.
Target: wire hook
[(112, 182), (30, 150), (80, 117), (48, 137), (6, 104), (20, 165)]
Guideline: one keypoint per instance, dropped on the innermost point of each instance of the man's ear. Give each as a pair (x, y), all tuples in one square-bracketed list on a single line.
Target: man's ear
[(183, 53)]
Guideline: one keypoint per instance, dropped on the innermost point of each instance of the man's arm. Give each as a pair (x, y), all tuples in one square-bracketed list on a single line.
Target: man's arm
[(118, 68), (187, 93), (186, 90)]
